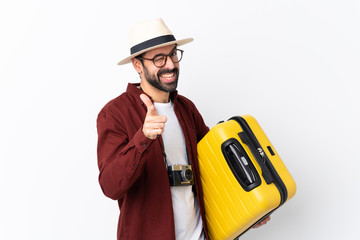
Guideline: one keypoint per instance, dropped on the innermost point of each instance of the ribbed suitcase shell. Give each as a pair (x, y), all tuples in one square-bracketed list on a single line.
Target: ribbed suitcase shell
[(231, 210)]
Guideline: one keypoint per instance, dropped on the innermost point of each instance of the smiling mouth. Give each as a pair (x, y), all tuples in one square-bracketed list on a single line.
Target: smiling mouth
[(167, 75)]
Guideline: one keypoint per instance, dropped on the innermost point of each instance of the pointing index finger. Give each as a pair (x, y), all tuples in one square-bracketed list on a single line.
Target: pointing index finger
[(150, 106)]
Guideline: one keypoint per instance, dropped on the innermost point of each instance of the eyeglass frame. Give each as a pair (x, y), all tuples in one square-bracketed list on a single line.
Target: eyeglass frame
[(164, 55)]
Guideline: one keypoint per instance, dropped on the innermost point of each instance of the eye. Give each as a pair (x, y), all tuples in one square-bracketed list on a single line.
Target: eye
[(159, 58)]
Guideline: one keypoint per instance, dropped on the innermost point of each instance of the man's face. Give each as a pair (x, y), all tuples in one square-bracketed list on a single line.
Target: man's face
[(166, 77)]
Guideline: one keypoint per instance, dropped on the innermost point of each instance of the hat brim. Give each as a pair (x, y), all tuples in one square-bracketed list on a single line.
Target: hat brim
[(178, 42)]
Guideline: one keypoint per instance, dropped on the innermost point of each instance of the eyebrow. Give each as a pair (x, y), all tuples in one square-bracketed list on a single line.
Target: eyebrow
[(166, 54)]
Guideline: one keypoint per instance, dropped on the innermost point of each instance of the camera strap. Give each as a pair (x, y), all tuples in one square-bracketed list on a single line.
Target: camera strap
[(164, 154)]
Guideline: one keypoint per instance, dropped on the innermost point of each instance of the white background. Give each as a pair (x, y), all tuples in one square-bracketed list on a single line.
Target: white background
[(293, 64)]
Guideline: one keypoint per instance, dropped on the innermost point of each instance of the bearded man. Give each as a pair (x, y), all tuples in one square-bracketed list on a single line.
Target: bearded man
[(147, 137)]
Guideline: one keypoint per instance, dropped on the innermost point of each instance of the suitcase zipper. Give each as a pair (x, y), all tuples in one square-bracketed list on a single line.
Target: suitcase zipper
[(269, 173)]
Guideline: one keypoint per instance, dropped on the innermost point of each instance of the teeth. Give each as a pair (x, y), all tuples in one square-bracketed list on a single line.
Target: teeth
[(168, 75)]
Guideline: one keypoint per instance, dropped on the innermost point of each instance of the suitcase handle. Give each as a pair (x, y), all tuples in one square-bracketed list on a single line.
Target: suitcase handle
[(241, 165), (258, 153), (244, 165)]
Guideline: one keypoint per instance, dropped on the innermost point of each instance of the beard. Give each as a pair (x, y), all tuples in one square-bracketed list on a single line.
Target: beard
[(154, 80)]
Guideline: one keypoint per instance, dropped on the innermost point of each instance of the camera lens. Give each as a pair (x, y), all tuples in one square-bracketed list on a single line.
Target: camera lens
[(187, 175)]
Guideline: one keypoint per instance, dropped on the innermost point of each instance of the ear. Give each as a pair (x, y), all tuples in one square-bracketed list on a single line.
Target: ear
[(137, 65)]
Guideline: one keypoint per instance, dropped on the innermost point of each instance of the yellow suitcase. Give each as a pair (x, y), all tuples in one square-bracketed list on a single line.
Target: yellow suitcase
[(243, 178)]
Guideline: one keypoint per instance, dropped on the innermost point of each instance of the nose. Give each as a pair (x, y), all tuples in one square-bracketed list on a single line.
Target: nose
[(169, 63)]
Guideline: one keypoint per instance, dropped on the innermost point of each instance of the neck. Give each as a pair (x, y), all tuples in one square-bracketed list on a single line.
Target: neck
[(155, 94)]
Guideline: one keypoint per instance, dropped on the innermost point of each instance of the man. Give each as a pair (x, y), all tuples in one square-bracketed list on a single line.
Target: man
[(143, 135)]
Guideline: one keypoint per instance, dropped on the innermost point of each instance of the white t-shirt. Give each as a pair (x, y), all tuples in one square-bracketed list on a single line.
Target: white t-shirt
[(188, 223)]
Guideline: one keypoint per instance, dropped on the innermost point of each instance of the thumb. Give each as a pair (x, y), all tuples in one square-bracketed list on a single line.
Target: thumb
[(151, 110)]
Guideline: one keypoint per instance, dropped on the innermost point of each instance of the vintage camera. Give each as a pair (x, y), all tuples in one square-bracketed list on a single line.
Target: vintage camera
[(180, 175)]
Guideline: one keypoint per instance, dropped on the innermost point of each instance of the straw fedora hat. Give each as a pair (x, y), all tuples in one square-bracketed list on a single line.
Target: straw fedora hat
[(148, 35)]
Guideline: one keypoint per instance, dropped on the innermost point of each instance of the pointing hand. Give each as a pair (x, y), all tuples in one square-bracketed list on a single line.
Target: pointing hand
[(153, 123)]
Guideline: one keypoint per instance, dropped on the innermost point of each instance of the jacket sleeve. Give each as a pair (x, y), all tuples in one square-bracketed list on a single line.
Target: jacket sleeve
[(120, 158)]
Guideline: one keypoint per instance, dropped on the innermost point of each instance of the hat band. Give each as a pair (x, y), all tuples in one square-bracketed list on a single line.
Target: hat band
[(151, 43)]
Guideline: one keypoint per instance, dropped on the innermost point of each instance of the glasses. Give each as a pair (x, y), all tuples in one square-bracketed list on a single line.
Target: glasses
[(161, 59)]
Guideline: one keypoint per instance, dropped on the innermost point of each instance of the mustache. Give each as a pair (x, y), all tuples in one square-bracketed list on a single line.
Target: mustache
[(174, 70)]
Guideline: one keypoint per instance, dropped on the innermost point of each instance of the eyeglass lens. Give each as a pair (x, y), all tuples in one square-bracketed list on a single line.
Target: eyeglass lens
[(175, 56)]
